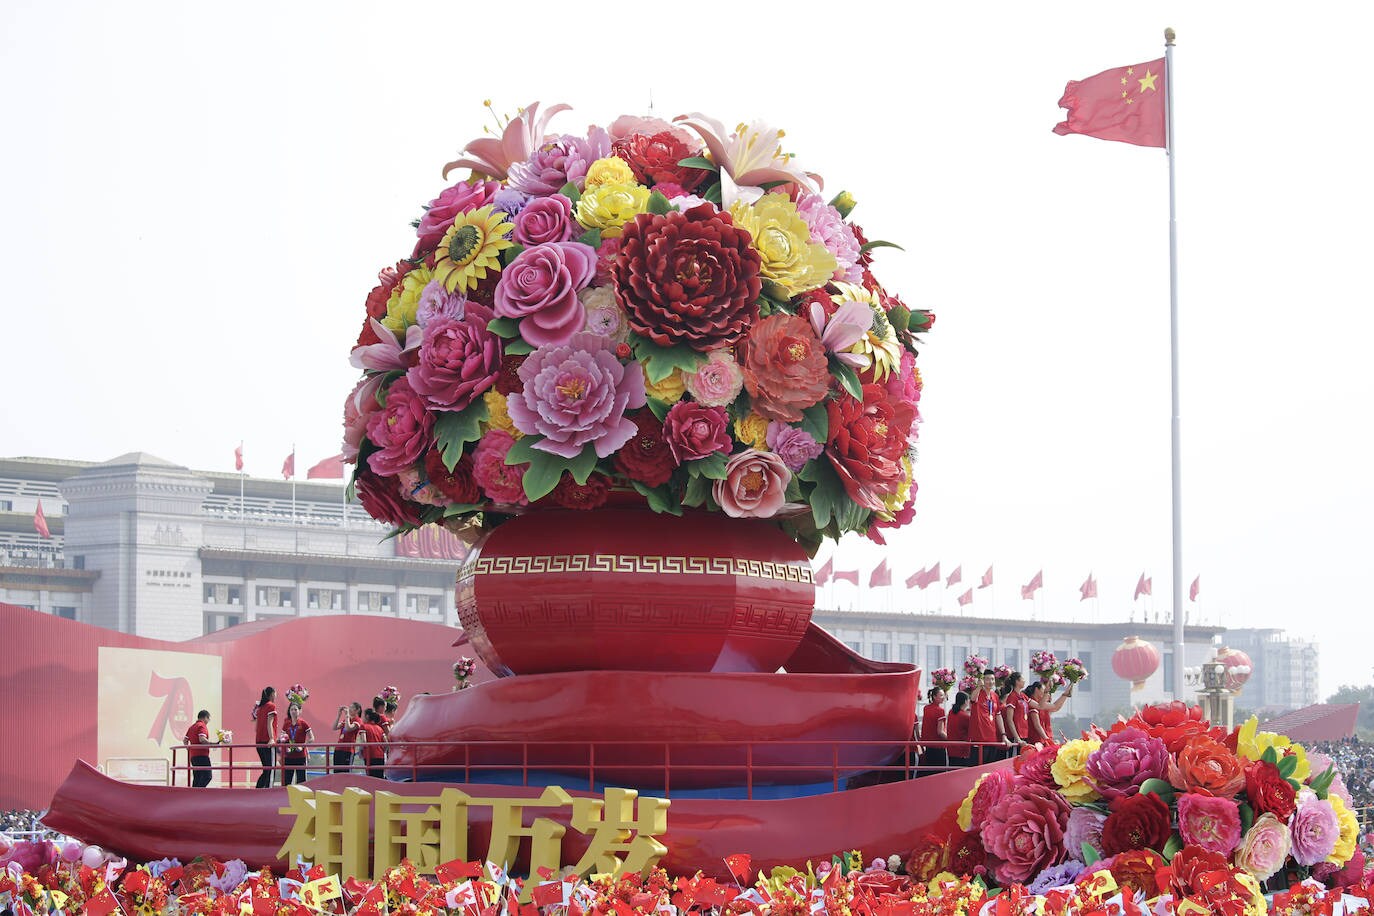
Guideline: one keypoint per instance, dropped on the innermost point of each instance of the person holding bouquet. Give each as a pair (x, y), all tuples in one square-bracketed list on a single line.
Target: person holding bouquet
[(1041, 732), (347, 723), (265, 721), (985, 720), (934, 729), (1015, 708), (374, 744), (956, 727), (295, 735), (198, 740)]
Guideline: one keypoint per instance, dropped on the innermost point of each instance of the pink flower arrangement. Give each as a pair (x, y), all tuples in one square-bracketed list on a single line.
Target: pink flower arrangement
[(1125, 761), (499, 482), (459, 359), (1212, 823), (755, 485), (693, 431), (1314, 831), (541, 286), (1024, 833), (402, 430), (1264, 848)]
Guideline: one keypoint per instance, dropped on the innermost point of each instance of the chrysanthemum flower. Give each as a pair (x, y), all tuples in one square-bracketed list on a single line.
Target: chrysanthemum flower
[(783, 240)]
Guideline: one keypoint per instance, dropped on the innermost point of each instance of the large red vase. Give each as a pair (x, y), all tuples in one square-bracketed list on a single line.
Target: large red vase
[(631, 590)]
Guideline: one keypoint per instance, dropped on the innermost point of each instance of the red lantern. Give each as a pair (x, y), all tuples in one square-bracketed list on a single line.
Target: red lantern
[(1238, 668), (1135, 660)]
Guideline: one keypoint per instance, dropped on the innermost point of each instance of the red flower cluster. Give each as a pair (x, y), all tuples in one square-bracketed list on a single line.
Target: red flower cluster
[(1268, 791), (646, 457), (784, 367), (866, 444), (1138, 821), (456, 484), (654, 159), (573, 495)]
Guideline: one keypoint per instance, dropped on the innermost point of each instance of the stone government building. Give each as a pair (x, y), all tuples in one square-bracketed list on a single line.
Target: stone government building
[(149, 547)]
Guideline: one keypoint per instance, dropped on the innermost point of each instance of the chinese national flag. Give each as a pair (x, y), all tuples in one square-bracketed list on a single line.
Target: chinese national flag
[(1143, 586), (881, 575), (329, 468), (102, 904), (1194, 588), (1028, 590), (987, 579), (288, 467), (848, 575), (955, 577), (825, 572), (739, 865), (1088, 589), (1125, 104), (916, 579), (966, 598), (930, 578), (40, 523), (238, 458)]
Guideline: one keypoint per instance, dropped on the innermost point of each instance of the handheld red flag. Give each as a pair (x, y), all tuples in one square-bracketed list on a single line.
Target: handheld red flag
[(1125, 104), (40, 523), (739, 865)]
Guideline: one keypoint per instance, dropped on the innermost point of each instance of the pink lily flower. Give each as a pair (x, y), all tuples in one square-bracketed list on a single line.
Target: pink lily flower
[(522, 136), (388, 353), (749, 155), (843, 330)]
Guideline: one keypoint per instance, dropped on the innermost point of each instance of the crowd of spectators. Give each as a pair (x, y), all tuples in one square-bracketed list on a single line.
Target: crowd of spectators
[(20, 821), (1354, 761)]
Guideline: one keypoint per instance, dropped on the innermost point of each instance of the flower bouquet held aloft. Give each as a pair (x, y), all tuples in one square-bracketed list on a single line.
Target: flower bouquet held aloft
[(297, 694), (462, 671), (1045, 665), (672, 314), (1002, 673), (943, 678), (224, 736), (975, 665), (1073, 671)]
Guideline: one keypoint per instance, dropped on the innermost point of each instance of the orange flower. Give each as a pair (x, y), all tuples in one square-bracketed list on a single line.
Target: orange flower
[(1206, 767)]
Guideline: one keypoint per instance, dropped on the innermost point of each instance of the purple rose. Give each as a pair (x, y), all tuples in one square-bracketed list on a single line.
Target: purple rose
[(1315, 830), (577, 393), (401, 430), (558, 162), (1124, 761), (546, 219), (794, 446), (509, 201), (463, 197), (459, 359), (1055, 876), (693, 431), (541, 286)]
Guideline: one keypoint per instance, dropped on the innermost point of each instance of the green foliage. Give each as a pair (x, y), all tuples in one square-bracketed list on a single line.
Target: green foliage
[(879, 243), (659, 362), (816, 422), (712, 466), (545, 468), (455, 429), (698, 162), (591, 237), (517, 347), (504, 327), (1171, 848), (659, 205), (698, 488), (659, 408), (570, 191), (1160, 788), (828, 495), (510, 254), (660, 498), (849, 381)]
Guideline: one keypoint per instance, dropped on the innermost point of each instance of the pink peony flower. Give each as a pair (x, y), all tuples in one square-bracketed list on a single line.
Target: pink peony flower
[(437, 302), (996, 786), (1084, 826), (546, 219), (755, 485), (695, 431), (605, 260), (463, 197), (358, 407), (401, 430), (541, 286), (1264, 848), (628, 125), (717, 382), (1315, 830), (459, 359), (1212, 823), (794, 446), (500, 482), (1024, 833), (558, 162), (830, 229), (1124, 761), (604, 316), (1334, 875), (576, 394)]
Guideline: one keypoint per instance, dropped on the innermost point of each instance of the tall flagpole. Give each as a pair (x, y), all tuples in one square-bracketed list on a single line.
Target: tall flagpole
[(1172, 151)]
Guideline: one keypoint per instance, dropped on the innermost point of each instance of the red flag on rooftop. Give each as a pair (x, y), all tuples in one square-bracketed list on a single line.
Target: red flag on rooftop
[(955, 577), (966, 598), (329, 468), (1028, 590), (1126, 104), (987, 579), (881, 575), (1193, 589), (824, 573), (1088, 589), (40, 524), (238, 458), (288, 467), (931, 577), (1143, 586), (847, 575), (914, 580)]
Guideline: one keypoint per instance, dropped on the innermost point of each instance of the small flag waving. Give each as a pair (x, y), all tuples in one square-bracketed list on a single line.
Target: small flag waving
[(847, 575), (288, 467), (1194, 588), (1125, 104), (955, 577), (1028, 590), (881, 575), (40, 524), (966, 598), (825, 572), (238, 458), (1088, 589), (930, 578), (1142, 587), (987, 579), (329, 468), (914, 580)]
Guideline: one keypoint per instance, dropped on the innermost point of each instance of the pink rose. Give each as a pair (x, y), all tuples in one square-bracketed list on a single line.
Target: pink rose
[(1212, 823), (996, 786), (1264, 848), (718, 381), (694, 431), (1024, 833), (501, 482), (401, 430), (794, 446), (541, 286), (463, 197), (755, 485), (546, 219)]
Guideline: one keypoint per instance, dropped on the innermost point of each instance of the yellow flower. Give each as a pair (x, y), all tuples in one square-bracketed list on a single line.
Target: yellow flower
[(497, 415), (1071, 766), (1251, 744), (783, 241), (611, 170), (1350, 831), (471, 247), (893, 503), (752, 431), (965, 815), (670, 390), (405, 299), (880, 343), (1256, 905), (608, 207)]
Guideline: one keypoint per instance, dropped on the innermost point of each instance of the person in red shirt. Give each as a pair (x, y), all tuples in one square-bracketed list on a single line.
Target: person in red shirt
[(985, 723), (1015, 709), (374, 744), (295, 735), (1041, 709), (348, 723), (198, 740), (379, 707), (265, 719), (956, 726), (934, 729)]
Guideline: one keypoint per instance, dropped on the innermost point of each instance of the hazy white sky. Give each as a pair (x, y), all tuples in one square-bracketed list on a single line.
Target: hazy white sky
[(198, 197)]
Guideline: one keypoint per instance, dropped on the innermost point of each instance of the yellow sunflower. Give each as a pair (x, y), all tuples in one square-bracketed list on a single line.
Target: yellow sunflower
[(471, 246), (880, 342)]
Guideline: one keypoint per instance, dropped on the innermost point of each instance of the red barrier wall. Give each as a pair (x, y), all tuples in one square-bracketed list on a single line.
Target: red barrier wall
[(48, 672)]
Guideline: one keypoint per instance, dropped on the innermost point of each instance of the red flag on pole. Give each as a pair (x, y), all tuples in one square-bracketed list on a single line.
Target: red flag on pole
[(847, 575), (1088, 589), (288, 467), (238, 458), (966, 598), (987, 579), (1125, 104), (881, 575), (1142, 587), (930, 578), (1028, 590), (329, 468), (955, 577), (1193, 589), (40, 524), (824, 573), (915, 579)]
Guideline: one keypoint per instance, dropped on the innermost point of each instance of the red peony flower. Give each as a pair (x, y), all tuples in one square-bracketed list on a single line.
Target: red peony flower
[(1269, 791), (1136, 869), (687, 278), (654, 159), (1034, 764), (1207, 768), (646, 457), (1188, 868), (966, 854), (381, 498), (573, 495), (1175, 723), (456, 484), (929, 857), (1136, 822), (508, 382), (867, 443), (694, 431), (785, 369), (377, 299)]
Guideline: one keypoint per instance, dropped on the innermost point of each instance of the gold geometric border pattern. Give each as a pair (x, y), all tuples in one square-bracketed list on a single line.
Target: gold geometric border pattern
[(657, 566)]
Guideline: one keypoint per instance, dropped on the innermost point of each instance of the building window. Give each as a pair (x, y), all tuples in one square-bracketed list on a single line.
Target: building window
[(275, 596), (375, 602), (6, 505), (423, 604), (906, 653), (66, 613), (216, 622), (1012, 659), (79, 561), (879, 653), (960, 653), (1086, 685), (324, 599), (989, 654), (935, 657), (853, 645)]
